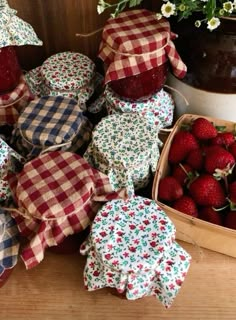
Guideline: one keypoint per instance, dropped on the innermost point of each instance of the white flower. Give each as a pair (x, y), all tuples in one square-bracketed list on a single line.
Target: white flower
[(197, 23), (213, 23), (228, 6), (100, 9), (158, 16), (168, 9)]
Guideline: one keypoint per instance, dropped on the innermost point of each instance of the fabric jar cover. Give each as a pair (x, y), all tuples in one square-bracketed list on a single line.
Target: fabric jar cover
[(136, 41), (9, 243), (57, 194), (11, 104), (69, 74), (35, 82), (9, 160), (131, 248), (15, 31), (125, 147), (158, 109), (51, 122)]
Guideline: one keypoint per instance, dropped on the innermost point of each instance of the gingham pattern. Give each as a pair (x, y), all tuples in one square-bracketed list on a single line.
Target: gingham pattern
[(11, 104), (9, 242), (57, 194), (51, 121), (131, 248), (131, 44)]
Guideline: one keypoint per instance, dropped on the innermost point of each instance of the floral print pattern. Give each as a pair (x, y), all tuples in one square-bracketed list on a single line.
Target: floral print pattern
[(126, 148), (158, 109), (131, 248)]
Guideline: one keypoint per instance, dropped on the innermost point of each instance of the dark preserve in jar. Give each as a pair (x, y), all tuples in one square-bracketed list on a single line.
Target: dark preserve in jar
[(10, 70)]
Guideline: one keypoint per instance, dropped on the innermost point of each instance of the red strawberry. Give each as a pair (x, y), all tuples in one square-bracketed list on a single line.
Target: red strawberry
[(186, 205), (182, 143), (230, 220), (203, 129), (182, 173), (232, 149), (169, 189), (207, 191), (218, 158), (210, 215), (224, 139), (195, 159)]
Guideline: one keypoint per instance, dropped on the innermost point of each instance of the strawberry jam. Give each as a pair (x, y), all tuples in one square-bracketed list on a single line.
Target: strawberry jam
[(141, 85), (10, 70)]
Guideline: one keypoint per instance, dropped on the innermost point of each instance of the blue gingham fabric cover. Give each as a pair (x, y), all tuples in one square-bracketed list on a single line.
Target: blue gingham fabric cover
[(9, 242)]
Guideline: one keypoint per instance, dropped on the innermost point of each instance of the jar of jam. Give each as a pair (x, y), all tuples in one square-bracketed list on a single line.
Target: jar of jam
[(137, 51), (10, 71)]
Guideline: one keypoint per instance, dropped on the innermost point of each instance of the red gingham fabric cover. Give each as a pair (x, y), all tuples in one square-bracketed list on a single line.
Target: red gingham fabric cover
[(57, 194), (131, 44), (13, 102)]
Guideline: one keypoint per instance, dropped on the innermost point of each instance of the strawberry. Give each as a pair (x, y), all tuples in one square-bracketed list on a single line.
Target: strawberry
[(203, 129), (182, 143), (224, 139), (210, 215), (195, 159), (182, 173), (186, 205), (169, 189), (207, 191), (232, 149), (230, 220), (218, 158)]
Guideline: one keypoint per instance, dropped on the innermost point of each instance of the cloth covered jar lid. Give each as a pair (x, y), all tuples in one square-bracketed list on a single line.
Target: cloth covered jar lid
[(57, 194), (158, 109), (49, 121), (131, 247), (9, 242), (67, 71), (136, 41), (14, 30)]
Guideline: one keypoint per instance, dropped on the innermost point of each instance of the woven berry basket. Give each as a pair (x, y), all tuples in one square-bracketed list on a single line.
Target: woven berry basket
[(190, 229)]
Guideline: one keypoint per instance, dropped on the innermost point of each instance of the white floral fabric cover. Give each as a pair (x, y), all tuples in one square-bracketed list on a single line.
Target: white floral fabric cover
[(158, 109), (126, 148), (8, 161), (14, 30), (131, 247)]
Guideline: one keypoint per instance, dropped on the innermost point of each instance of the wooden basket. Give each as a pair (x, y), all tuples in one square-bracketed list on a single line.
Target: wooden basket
[(190, 229)]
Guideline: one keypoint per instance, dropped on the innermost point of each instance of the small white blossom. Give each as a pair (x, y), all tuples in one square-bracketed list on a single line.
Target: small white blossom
[(197, 23), (158, 16), (168, 9), (228, 6), (213, 23), (100, 9)]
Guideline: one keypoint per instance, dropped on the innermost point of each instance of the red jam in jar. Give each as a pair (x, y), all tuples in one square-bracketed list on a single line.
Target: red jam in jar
[(10, 70), (142, 85)]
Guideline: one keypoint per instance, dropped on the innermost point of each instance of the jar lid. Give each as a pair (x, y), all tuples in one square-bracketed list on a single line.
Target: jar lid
[(14, 96), (14, 30), (67, 71), (136, 41), (49, 121), (9, 242), (158, 108)]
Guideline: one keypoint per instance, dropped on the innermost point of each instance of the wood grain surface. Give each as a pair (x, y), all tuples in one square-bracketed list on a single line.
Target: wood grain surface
[(54, 290)]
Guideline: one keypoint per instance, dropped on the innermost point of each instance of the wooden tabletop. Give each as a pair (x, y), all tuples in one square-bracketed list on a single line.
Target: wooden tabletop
[(54, 290)]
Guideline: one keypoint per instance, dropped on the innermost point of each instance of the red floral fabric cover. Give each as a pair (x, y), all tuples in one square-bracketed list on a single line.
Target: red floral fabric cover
[(57, 194), (136, 41)]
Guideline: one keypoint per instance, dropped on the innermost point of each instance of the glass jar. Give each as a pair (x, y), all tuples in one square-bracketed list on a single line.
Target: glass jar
[(10, 71)]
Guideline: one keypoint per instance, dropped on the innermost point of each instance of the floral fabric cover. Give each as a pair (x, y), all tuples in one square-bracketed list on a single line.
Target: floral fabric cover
[(136, 41), (131, 248), (126, 148), (9, 160), (158, 109), (9, 242), (11, 104), (57, 194), (15, 31), (36, 131)]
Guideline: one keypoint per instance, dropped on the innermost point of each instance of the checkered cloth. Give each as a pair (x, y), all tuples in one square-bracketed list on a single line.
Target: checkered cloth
[(9, 242), (57, 194), (135, 42), (51, 121), (11, 104)]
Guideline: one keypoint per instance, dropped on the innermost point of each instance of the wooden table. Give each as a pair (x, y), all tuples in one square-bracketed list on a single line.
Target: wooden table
[(54, 290)]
